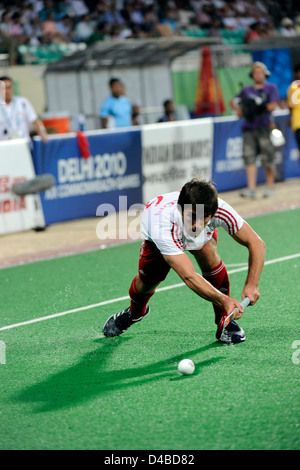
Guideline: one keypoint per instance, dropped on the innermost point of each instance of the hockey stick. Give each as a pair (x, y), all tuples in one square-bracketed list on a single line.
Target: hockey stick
[(227, 319)]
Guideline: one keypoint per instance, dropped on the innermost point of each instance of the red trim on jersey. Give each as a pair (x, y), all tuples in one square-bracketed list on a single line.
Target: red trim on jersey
[(177, 241), (229, 216), (159, 199), (226, 221)]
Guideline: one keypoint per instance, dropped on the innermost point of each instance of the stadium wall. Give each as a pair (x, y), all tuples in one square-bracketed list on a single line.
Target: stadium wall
[(136, 164)]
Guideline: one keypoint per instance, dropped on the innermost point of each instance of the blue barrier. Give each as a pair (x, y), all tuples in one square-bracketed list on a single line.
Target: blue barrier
[(82, 184), (115, 167), (228, 167)]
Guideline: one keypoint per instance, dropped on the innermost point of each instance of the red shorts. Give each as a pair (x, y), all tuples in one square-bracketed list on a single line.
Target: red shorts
[(153, 269)]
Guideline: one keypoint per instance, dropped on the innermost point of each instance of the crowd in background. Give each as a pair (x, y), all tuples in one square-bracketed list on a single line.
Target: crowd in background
[(47, 22)]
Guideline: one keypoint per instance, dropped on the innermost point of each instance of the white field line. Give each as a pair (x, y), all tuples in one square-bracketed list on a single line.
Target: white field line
[(119, 299)]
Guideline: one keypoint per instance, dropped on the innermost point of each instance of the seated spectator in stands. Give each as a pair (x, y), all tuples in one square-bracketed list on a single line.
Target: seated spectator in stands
[(15, 38), (77, 7), (33, 29), (102, 32), (214, 29), (116, 110), (148, 27), (132, 13), (253, 33), (49, 7), (65, 27), (207, 14), (5, 25), (270, 31), (170, 20), (169, 112), (16, 28), (49, 30), (98, 14), (29, 13), (232, 22), (203, 17), (84, 29), (186, 15), (116, 32), (288, 28), (112, 15)]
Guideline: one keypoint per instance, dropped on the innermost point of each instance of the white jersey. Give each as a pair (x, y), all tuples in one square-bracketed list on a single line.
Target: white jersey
[(15, 118), (163, 225)]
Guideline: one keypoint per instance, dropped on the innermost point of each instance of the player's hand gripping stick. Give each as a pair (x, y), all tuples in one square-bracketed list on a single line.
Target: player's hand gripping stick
[(227, 319)]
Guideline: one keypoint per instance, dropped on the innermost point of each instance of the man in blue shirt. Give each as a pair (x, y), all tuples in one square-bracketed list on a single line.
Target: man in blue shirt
[(116, 107)]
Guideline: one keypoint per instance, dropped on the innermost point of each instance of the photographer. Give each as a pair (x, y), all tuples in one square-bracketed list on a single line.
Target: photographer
[(255, 103)]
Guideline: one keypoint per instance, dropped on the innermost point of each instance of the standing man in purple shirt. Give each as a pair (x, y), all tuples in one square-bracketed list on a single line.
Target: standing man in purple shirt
[(255, 104)]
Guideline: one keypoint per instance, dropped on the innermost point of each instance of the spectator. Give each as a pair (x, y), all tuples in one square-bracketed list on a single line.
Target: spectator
[(214, 29), (253, 33), (132, 13), (17, 114), (15, 38), (102, 32), (170, 20), (84, 29), (270, 31), (112, 15), (64, 27), (293, 99), (29, 13), (49, 30), (288, 28), (148, 27), (116, 32), (116, 107), (203, 17), (255, 104), (77, 7), (16, 28), (186, 15), (169, 112), (5, 25), (33, 30), (49, 7)]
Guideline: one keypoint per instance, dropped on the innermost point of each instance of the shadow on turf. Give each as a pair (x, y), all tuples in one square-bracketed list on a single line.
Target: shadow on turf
[(90, 378)]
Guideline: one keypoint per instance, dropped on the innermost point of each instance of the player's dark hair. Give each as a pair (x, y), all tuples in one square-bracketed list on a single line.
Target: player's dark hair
[(199, 192), (113, 80)]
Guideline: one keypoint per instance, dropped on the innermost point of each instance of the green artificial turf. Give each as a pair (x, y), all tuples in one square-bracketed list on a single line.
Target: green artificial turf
[(64, 386)]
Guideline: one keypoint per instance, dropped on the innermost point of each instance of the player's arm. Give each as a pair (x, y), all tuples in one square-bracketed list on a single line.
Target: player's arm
[(184, 267), (247, 237)]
